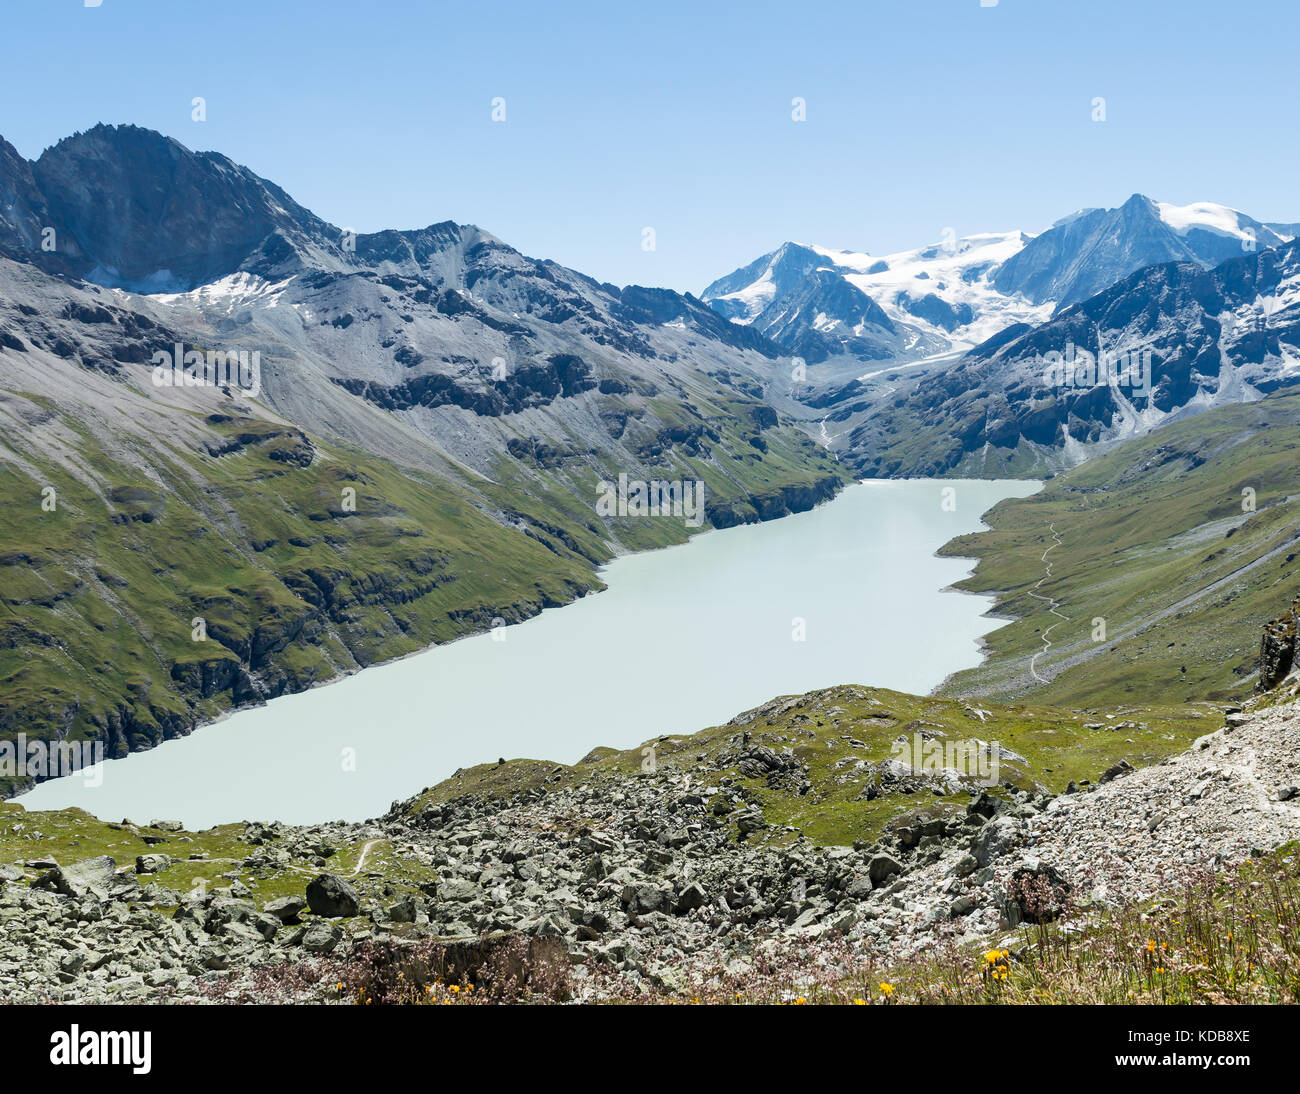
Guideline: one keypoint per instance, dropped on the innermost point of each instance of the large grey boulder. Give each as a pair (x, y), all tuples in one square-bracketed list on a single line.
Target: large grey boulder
[(152, 864), (286, 908), (321, 937), (329, 895), (858, 887), (458, 889), (224, 910), (90, 877), (691, 897), (882, 867)]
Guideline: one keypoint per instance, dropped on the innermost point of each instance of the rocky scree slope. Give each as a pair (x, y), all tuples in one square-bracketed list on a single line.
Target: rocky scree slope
[(648, 882)]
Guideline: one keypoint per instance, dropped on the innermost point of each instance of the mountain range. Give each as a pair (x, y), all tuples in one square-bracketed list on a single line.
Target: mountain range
[(1206, 338), (932, 361), (419, 450), (820, 304), (418, 456)]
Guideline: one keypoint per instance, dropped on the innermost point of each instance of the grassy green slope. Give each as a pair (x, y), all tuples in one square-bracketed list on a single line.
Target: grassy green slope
[(838, 734), (98, 597), (302, 559), (1154, 540)]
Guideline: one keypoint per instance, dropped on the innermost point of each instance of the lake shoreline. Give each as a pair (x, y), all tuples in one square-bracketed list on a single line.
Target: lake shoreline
[(850, 531)]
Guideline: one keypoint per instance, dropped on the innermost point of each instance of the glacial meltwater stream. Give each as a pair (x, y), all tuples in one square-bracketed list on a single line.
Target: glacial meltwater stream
[(683, 638)]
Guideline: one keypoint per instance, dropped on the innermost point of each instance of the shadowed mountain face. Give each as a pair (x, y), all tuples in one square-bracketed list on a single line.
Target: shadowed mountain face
[(23, 210), (799, 321), (132, 208)]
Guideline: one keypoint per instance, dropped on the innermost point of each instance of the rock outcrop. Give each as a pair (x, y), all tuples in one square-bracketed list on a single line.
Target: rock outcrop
[(1277, 648)]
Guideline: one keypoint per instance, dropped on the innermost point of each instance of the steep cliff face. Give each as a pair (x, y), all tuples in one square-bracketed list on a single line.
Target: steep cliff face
[(23, 210)]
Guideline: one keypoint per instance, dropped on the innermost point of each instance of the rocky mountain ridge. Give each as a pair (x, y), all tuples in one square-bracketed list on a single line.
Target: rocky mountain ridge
[(410, 403), (934, 361), (957, 293)]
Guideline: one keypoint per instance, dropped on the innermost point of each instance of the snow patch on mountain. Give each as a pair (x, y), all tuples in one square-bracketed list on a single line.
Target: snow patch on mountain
[(234, 291), (1208, 216)]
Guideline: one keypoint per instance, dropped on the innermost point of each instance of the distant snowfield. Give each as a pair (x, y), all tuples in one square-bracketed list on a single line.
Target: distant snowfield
[(1208, 216), (957, 271)]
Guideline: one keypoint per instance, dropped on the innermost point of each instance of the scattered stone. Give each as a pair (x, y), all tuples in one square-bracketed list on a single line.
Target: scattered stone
[(961, 906), (286, 908), (1115, 771)]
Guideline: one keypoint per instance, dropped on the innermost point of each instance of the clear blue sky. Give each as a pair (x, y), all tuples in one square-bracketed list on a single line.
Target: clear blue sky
[(920, 113)]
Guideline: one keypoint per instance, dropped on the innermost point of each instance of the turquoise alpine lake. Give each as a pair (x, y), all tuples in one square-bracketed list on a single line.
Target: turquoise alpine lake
[(683, 638)]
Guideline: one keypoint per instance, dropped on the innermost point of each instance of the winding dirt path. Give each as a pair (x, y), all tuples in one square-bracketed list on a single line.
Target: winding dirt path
[(1051, 606), (365, 850)]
